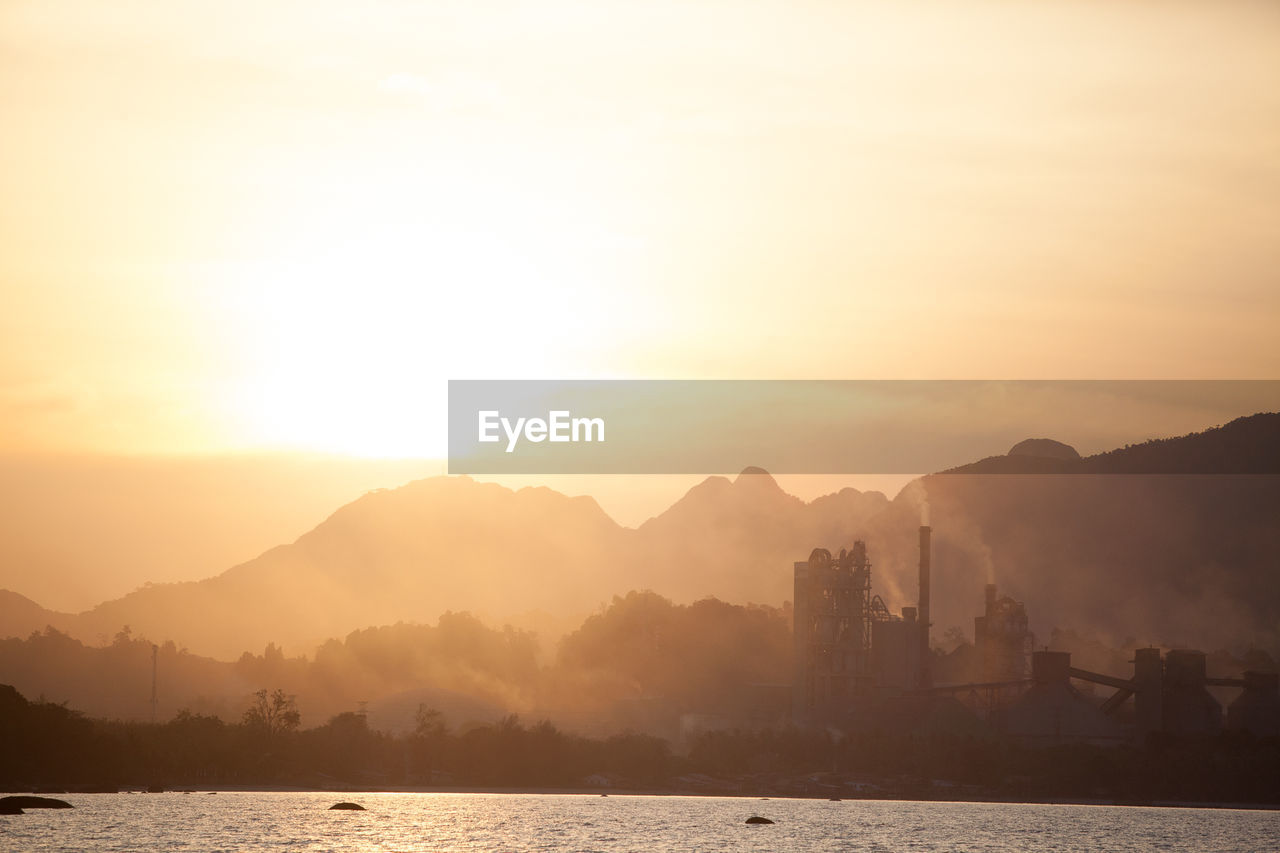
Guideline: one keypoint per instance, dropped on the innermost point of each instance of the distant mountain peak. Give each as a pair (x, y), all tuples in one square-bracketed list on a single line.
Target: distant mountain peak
[(1246, 445), (753, 476), (1045, 448)]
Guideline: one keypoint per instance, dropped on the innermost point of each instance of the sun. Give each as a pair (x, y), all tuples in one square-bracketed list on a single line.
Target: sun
[(349, 333)]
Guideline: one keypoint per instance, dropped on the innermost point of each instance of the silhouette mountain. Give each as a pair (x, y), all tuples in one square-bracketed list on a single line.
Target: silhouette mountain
[(20, 615), (737, 539), (1179, 549), (1045, 448), (1247, 445), (450, 543), (1172, 541), (399, 554)]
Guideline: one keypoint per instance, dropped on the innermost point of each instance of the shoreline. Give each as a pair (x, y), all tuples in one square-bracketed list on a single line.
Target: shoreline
[(641, 792)]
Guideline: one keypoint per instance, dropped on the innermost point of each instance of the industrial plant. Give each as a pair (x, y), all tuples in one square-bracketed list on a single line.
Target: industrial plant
[(858, 664)]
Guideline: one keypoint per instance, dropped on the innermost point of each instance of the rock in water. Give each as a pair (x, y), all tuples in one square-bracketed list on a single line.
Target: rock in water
[(34, 803), (758, 819), (351, 807)]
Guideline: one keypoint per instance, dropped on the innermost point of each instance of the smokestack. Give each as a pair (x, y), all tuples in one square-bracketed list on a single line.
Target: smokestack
[(155, 652), (925, 532)]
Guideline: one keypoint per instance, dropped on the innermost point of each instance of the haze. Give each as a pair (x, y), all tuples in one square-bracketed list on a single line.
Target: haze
[(245, 246), (284, 228)]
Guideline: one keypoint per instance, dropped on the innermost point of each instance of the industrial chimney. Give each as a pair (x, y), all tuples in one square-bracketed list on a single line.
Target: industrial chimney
[(155, 653), (925, 531)]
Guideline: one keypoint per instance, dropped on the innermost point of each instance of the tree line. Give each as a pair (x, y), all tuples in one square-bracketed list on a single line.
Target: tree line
[(48, 746), (615, 669)]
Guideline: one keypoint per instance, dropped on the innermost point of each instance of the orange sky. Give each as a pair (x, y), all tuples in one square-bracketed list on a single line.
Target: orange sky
[(283, 226), (279, 228)]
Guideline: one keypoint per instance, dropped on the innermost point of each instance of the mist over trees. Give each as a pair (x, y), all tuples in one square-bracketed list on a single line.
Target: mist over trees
[(615, 671), (641, 664), (610, 709)]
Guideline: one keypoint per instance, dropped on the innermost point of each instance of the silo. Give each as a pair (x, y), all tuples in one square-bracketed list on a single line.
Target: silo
[(1257, 708), (1053, 712), (1188, 707), (1148, 700)]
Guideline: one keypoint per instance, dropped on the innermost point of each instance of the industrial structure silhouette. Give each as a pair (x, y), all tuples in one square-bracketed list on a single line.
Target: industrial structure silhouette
[(856, 661)]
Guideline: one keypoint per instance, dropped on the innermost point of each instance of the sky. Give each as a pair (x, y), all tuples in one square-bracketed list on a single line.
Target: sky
[(281, 227)]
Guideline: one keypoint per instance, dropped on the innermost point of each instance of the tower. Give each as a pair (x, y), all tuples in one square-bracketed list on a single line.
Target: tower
[(833, 616), (155, 654), (926, 532)]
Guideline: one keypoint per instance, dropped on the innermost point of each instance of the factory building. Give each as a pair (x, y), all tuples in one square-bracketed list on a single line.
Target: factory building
[(1186, 704), (895, 651), (1170, 695), (832, 612), (1257, 708), (855, 661), (1051, 711), (1002, 638), (847, 644)]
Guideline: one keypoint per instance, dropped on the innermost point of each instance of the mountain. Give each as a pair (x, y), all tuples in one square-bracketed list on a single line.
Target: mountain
[(1248, 445), (20, 615), (737, 539), (1173, 541), (1044, 448), (399, 554), (450, 543), (79, 529), (1116, 549)]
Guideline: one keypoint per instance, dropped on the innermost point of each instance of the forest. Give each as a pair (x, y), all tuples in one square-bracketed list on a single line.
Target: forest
[(49, 748), (641, 664), (645, 695), (612, 673)]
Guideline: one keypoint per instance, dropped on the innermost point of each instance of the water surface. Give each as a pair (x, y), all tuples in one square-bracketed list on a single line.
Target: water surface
[(239, 821)]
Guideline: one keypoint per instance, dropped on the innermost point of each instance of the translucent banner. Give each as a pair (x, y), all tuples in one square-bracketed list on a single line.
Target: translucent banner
[(827, 427)]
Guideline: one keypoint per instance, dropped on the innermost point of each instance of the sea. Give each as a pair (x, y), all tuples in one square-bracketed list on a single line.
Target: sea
[(252, 821)]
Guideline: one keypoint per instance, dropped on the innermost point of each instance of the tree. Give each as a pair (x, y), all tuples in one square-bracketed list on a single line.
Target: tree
[(342, 746), (430, 723), (273, 714), (428, 738)]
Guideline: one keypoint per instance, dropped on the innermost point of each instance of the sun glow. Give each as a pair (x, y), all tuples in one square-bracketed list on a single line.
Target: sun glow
[(249, 228), (350, 332)]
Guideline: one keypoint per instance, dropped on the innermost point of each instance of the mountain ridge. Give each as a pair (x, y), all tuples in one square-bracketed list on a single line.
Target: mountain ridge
[(411, 552), (1065, 545), (1245, 445)]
